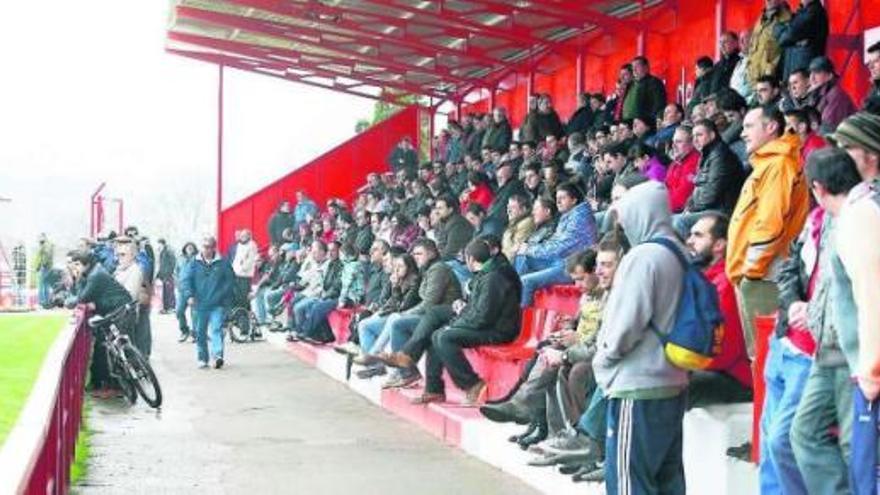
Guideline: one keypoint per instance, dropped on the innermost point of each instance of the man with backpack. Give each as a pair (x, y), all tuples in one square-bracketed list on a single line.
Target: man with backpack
[(646, 399)]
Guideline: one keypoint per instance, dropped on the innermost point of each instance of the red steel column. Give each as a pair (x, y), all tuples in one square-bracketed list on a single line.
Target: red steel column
[(579, 67), (219, 149)]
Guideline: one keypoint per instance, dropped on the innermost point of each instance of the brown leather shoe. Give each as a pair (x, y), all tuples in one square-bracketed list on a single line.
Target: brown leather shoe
[(427, 398), (396, 360), (476, 395)]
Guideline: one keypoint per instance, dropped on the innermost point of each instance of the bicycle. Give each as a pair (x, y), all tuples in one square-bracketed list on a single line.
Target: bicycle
[(127, 365)]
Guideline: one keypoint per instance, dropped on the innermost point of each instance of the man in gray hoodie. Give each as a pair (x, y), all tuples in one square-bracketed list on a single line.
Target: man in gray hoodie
[(645, 391)]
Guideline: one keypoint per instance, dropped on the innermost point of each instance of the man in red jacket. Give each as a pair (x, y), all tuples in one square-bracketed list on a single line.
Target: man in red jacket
[(729, 379), (683, 169)]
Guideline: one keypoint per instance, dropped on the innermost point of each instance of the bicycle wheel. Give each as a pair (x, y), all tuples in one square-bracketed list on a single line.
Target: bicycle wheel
[(238, 324), (142, 376), (118, 372)]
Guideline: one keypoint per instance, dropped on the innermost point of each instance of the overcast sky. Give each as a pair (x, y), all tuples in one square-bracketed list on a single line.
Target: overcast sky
[(89, 95)]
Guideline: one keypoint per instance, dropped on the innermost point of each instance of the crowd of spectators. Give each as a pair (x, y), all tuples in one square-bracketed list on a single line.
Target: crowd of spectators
[(765, 179)]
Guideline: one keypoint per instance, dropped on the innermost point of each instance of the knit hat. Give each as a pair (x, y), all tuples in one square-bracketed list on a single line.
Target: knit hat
[(822, 64), (861, 130)]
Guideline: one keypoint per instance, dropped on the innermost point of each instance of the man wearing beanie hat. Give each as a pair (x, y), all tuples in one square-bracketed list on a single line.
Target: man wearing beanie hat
[(833, 102), (859, 135), (856, 292)]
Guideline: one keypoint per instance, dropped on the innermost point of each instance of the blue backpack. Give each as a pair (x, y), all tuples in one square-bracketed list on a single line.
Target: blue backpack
[(696, 334)]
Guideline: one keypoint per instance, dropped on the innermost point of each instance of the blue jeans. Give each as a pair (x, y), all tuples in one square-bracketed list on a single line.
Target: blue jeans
[(258, 304), (318, 314), (180, 311), (203, 318), (273, 298), (785, 374), (593, 422), (301, 311), (863, 469), (369, 330), (43, 287), (537, 274)]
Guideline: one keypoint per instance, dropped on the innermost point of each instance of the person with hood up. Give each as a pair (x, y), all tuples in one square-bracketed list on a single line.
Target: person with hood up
[(646, 393)]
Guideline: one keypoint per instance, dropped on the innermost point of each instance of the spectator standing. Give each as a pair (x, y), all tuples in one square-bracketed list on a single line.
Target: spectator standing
[(648, 93), (856, 271), (528, 132), (279, 222), (739, 79), (403, 156), (165, 273), (43, 261), (187, 255), (770, 212), (803, 37), (703, 86), (582, 118), (646, 399), (209, 288), (508, 186), (827, 395), (765, 54), (305, 210), (244, 264), (727, 63), (831, 100), (548, 123), (499, 134), (872, 101)]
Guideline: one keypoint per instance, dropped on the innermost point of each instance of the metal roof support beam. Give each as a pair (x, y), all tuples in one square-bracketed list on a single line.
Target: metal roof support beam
[(236, 22), (571, 14), (341, 22), (720, 25), (263, 54), (579, 72), (516, 36), (235, 62)]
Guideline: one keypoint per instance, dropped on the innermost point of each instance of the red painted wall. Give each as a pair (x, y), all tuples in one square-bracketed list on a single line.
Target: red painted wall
[(335, 174), (675, 41)]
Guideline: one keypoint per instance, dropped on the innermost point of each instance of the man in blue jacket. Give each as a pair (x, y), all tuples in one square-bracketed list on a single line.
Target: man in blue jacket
[(209, 285)]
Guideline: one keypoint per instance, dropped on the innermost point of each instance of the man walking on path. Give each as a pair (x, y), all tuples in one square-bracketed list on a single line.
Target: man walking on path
[(165, 273), (209, 287)]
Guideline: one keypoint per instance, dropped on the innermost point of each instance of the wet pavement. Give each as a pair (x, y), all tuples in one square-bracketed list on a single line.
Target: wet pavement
[(267, 423)]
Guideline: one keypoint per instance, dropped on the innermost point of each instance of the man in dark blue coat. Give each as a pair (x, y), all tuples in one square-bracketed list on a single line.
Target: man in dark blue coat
[(208, 287)]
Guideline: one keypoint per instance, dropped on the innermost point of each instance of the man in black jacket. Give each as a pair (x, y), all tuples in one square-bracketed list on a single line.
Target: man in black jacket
[(499, 134), (403, 157), (730, 57), (103, 294), (720, 177), (648, 93), (165, 273), (491, 316), (508, 185), (281, 220), (802, 38)]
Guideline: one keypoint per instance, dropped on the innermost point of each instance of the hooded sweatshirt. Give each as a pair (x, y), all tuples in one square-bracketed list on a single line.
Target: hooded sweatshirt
[(630, 362)]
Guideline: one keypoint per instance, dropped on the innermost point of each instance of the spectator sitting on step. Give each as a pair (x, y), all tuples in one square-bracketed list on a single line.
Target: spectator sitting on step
[(542, 264), (315, 328), (491, 316), (309, 280), (331, 286), (373, 331)]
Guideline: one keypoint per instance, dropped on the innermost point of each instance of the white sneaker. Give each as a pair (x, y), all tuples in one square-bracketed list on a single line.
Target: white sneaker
[(203, 365)]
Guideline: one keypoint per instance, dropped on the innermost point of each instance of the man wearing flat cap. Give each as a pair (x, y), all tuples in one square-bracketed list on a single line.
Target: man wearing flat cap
[(833, 102)]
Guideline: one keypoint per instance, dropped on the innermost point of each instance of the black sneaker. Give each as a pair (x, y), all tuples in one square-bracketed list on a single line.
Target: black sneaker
[(184, 334), (218, 363)]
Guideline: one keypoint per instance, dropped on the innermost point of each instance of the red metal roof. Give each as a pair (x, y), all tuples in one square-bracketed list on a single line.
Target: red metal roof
[(383, 49)]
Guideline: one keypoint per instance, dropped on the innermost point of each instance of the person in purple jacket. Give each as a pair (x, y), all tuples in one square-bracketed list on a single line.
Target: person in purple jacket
[(647, 162), (543, 264)]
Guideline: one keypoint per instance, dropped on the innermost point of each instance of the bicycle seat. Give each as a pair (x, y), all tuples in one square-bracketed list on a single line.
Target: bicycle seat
[(97, 321)]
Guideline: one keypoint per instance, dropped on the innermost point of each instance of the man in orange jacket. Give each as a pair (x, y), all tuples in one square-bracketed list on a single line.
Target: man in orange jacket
[(771, 211)]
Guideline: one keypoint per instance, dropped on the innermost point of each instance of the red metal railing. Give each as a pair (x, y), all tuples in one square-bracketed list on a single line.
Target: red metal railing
[(37, 455)]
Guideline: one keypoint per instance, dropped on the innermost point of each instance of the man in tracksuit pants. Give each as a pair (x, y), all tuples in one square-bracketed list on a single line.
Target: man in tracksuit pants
[(646, 393)]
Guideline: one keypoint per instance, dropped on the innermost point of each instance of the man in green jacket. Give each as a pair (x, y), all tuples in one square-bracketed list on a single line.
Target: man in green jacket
[(647, 96)]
